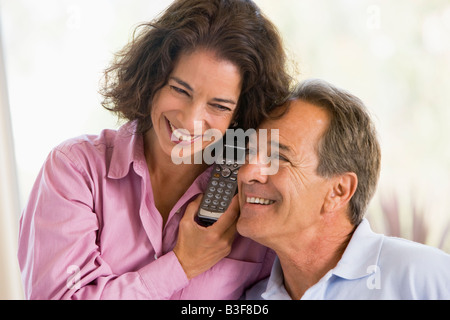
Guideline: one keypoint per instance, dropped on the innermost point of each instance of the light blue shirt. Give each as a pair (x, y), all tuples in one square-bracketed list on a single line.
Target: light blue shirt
[(373, 266)]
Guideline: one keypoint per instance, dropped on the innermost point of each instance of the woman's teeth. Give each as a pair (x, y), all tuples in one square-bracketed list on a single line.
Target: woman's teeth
[(179, 135), (259, 200)]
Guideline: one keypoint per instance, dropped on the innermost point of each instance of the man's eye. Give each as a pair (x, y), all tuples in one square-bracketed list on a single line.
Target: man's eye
[(279, 157)]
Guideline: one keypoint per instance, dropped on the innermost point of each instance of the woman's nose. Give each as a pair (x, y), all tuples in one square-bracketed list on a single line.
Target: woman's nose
[(193, 116)]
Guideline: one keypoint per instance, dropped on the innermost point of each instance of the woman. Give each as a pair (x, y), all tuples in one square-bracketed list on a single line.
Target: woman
[(111, 216)]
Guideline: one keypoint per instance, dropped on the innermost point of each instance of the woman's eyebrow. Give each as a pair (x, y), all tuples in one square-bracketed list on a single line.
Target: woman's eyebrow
[(225, 101), (183, 83)]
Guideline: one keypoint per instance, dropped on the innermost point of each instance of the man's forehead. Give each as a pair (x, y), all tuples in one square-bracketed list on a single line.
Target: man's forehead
[(301, 121), (298, 111)]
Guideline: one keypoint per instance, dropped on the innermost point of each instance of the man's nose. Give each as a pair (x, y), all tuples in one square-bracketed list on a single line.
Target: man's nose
[(251, 173)]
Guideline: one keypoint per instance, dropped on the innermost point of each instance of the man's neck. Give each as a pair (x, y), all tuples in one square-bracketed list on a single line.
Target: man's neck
[(304, 265)]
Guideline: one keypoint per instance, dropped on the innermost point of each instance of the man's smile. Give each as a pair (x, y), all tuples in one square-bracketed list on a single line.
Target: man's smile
[(256, 200)]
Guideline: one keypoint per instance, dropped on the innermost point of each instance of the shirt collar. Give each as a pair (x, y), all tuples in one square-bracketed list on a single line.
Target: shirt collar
[(275, 289), (128, 148), (361, 254), (358, 261)]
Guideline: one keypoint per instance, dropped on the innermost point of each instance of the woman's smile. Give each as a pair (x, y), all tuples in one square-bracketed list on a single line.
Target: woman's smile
[(179, 135)]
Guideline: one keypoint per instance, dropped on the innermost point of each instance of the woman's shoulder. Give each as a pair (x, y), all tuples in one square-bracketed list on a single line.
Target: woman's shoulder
[(87, 146), (94, 145), (98, 152)]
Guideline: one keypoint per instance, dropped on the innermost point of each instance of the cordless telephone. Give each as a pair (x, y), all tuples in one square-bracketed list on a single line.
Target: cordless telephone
[(222, 185)]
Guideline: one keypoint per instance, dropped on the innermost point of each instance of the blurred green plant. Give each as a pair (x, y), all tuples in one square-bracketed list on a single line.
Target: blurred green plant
[(419, 228)]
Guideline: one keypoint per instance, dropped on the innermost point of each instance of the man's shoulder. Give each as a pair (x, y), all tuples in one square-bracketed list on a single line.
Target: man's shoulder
[(423, 269), (407, 252)]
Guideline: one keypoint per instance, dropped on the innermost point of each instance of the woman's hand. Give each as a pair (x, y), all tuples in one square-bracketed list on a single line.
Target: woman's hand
[(199, 248)]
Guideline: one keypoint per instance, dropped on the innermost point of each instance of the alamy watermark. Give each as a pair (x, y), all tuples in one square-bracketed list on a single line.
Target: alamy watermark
[(262, 147), (373, 282), (373, 21), (74, 279)]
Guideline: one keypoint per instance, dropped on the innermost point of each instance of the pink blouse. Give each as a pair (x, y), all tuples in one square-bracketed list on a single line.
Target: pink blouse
[(91, 230)]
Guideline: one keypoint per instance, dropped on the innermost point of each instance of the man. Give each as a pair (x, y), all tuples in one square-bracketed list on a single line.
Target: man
[(311, 212)]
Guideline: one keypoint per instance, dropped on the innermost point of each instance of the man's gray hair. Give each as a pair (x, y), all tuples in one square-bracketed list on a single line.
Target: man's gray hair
[(350, 142)]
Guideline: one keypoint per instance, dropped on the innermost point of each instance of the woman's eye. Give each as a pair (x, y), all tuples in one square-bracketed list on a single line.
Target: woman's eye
[(220, 107), (179, 90)]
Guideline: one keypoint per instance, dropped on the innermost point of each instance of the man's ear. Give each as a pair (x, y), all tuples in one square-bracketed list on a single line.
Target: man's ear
[(342, 189)]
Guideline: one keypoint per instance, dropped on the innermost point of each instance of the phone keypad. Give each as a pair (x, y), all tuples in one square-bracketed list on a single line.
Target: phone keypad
[(221, 188)]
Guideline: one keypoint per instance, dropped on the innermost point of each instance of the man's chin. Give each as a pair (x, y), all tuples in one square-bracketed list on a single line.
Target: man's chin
[(248, 227)]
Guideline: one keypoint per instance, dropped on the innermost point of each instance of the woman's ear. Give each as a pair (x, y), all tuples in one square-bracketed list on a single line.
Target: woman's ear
[(342, 189)]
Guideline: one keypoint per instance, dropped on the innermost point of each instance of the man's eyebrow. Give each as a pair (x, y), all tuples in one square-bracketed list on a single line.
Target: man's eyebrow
[(183, 83)]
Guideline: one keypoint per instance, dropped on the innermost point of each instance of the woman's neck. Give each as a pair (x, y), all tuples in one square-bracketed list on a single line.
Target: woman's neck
[(169, 180)]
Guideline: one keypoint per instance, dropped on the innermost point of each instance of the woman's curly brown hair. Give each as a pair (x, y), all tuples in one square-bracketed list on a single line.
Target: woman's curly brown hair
[(235, 30)]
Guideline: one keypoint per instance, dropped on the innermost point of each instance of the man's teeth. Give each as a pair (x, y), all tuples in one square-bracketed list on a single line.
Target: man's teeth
[(179, 135), (259, 200)]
